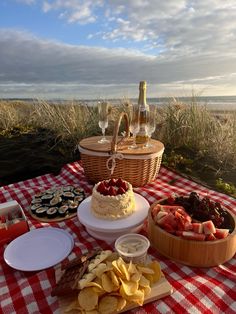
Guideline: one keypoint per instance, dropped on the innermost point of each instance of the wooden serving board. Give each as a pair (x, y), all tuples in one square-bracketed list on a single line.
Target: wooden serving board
[(159, 290), (56, 219)]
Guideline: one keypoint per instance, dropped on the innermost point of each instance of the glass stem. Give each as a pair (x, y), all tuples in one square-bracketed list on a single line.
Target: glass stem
[(103, 132)]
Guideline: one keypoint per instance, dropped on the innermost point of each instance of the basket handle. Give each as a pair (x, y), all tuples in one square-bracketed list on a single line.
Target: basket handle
[(114, 141)]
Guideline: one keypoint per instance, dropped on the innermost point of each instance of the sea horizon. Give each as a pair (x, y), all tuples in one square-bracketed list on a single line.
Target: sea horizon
[(227, 103)]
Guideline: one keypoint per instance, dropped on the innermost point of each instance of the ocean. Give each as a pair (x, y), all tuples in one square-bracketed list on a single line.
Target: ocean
[(215, 103), (211, 102)]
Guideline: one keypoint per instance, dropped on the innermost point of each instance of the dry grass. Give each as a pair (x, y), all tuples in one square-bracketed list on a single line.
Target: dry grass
[(178, 125), (14, 114), (69, 122), (195, 127)]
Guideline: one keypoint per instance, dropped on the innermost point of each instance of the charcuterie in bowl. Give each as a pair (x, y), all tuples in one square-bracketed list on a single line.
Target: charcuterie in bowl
[(192, 230)]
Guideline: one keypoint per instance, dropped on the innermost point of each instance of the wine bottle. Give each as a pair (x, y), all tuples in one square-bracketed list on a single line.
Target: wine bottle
[(142, 136)]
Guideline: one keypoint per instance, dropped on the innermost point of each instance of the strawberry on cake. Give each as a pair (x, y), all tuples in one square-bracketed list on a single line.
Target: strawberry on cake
[(112, 199)]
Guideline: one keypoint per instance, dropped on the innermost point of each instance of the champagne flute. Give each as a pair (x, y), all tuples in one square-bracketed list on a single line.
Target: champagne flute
[(134, 125), (151, 124), (103, 119)]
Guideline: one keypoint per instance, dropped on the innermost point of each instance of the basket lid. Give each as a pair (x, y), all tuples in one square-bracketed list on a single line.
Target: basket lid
[(91, 143)]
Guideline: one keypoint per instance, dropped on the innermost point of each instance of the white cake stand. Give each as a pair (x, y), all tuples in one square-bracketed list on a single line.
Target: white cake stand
[(110, 230), (111, 237)]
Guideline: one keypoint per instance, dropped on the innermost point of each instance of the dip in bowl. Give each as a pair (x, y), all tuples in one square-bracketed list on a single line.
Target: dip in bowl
[(133, 246)]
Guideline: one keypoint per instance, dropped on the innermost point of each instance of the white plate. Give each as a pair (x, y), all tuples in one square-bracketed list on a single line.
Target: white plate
[(87, 218), (111, 237), (38, 249)]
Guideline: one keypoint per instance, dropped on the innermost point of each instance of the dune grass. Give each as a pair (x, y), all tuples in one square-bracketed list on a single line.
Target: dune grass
[(195, 127), (178, 126), (69, 122)]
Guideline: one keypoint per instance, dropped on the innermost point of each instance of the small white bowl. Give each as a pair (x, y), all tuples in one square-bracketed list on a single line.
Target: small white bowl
[(133, 246)]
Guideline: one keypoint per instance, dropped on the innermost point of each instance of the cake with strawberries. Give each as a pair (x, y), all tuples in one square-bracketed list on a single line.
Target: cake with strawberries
[(112, 199)]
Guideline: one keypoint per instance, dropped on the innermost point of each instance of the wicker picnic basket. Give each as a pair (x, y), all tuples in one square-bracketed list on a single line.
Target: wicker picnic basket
[(116, 160)]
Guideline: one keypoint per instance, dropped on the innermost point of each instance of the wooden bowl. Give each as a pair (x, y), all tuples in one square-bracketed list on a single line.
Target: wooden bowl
[(191, 252)]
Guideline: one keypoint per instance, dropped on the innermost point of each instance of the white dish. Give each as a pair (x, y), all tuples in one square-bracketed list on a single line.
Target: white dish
[(111, 237), (87, 218), (38, 249)]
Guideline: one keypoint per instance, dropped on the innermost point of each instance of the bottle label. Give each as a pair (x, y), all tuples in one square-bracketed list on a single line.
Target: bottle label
[(142, 136)]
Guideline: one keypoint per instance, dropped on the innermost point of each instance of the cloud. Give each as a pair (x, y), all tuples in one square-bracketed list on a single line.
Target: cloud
[(170, 27), (29, 60), (177, 25), (192, 43), (74, 11), (174, 27)]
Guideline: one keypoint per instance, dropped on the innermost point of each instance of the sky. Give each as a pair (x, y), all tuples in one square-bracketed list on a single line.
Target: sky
[(85, 49)]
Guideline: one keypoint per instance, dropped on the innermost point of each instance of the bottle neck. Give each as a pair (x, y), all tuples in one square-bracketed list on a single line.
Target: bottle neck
[(142, 97)]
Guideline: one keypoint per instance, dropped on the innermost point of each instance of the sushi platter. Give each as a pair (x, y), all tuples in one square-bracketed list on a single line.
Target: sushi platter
[(57, 203)]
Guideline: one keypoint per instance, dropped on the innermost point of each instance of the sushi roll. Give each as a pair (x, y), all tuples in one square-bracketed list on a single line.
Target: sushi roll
[(73, 207), (34, 207), (39, 195), (78, 191), (63, 210), (68, 196), (36, 201), (51, 190), (79, 198), (58, 193), (56, 201), (46, 198), (52, 212), (41, 211), (68, 188)]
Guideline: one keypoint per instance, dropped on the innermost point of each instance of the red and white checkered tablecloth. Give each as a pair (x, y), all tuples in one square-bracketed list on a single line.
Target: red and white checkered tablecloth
[(196, 290)]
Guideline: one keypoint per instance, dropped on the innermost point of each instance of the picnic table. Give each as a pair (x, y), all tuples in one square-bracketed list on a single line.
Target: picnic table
[(195, 290)]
